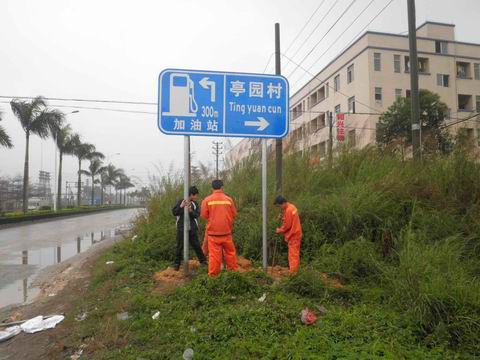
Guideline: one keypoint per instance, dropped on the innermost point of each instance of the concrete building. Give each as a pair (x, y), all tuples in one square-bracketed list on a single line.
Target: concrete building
[(367, 77)]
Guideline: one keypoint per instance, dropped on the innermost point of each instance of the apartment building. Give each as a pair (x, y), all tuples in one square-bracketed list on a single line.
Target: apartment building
[(367, 77)]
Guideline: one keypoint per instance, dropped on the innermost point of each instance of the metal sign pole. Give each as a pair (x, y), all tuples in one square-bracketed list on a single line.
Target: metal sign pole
[(264, 204), (186, 217)]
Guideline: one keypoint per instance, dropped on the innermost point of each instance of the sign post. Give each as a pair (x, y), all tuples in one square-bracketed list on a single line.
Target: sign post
[(186, 214), (226, 104)]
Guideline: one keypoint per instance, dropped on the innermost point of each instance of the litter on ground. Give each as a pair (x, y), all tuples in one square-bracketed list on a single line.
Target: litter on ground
[(308, 317), (263, 297), (10, 332), (156, 315), (40, 323), (122, 316)]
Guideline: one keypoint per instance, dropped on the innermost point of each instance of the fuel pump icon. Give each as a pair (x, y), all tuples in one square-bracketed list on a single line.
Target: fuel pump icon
[(182, 96)]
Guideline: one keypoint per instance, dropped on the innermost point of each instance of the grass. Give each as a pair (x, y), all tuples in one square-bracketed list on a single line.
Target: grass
[(402, 238)]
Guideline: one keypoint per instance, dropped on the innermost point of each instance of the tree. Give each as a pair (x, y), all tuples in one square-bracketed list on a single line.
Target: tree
[(123, 183), (94, 169), (83, 151), (65, 142), (109, 177), (5, 140), (395, 124), (35, 118)]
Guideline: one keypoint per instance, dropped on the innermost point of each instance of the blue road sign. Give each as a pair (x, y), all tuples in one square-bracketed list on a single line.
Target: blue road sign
[(210, 103)]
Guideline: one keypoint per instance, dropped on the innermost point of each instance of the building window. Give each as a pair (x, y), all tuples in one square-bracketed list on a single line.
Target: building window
[(297, 111), (377, 63), (463, 70), (477, 101), (337, 109), (478, 137), (327, 89), (351, 105), (423, 63), (464, 102), (351, 138), (476, 71), (378, 94), (441, 47), (350, 74), (317, 123), (442, 80), (407, 93), (336, 82), (396, 63), (398, 93)]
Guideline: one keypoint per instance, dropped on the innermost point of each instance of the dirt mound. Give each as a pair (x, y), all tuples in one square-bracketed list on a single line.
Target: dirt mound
[(277, 272), (173, 277)]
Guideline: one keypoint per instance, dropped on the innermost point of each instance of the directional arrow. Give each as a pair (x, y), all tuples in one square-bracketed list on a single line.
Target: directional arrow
[(261, 123), (205, 83)]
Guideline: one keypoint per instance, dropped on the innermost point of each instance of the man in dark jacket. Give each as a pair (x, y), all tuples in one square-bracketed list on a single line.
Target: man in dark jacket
[(194, 211)]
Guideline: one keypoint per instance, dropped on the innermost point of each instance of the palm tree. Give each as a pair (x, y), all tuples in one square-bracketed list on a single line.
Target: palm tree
[(36, 119), (65, 142), (108, 177), (123, 184), (94, 169), (4, 138), (83, 151)]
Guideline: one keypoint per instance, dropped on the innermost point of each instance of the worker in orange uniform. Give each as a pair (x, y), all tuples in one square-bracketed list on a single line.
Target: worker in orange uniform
[(219, 211), (292, 230)]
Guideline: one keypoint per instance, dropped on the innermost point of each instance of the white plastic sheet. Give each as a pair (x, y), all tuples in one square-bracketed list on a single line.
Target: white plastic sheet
[(9, 332), (38, 323)]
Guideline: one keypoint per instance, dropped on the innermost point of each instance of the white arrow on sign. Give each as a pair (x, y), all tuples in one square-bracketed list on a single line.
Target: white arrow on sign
[(261, 123), (205, 83)]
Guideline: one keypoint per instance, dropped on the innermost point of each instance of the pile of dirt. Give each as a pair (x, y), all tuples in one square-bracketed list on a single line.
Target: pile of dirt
[(174, 277)]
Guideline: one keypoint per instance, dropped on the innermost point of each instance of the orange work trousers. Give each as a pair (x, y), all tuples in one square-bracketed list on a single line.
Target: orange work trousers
[(215, 246), (294, 254)]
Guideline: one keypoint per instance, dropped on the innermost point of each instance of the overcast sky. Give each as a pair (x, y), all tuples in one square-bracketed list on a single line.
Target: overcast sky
[(115, 50)]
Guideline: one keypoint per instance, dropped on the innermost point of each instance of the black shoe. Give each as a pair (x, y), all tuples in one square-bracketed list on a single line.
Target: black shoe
[(176, 267)]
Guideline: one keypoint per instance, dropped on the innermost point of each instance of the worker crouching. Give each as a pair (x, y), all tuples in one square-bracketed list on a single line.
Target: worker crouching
[(292, 230), (219, 211)]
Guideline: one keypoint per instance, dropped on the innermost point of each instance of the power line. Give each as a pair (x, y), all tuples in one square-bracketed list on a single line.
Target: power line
[(322, 81), (304, 26), (268, 62), (335, 41), (97, 108), (82, 100), (318, 42), (313, 31), (461, 120)]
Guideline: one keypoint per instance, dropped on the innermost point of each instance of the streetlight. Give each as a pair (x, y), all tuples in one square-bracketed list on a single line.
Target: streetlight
[(55, 179)]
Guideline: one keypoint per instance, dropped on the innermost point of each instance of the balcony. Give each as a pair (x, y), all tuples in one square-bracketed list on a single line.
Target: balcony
[(465, 103)]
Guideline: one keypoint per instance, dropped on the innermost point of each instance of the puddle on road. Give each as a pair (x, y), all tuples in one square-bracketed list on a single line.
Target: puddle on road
[(22, 267)]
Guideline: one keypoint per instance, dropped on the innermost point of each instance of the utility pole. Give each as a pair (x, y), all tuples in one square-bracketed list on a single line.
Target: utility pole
[(330, 139), (278, 142), (414, 96), (217, 151)]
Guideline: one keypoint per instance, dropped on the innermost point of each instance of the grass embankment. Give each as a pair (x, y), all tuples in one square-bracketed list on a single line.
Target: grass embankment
[(403, 238)]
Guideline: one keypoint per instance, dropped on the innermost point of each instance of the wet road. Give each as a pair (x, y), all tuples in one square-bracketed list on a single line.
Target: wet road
[(26, 249)]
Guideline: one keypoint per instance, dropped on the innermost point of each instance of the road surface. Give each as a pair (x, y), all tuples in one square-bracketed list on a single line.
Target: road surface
[(27, 249)]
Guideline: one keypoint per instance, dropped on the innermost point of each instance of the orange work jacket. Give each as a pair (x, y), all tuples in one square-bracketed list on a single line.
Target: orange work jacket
[(219, 210), (291, 226)]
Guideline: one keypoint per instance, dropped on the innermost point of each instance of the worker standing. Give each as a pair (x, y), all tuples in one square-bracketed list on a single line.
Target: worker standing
[(194, 213), (219, 211), (292, 230)]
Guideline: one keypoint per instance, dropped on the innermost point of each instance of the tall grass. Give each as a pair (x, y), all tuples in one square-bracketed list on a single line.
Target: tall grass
[(373, 219)]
